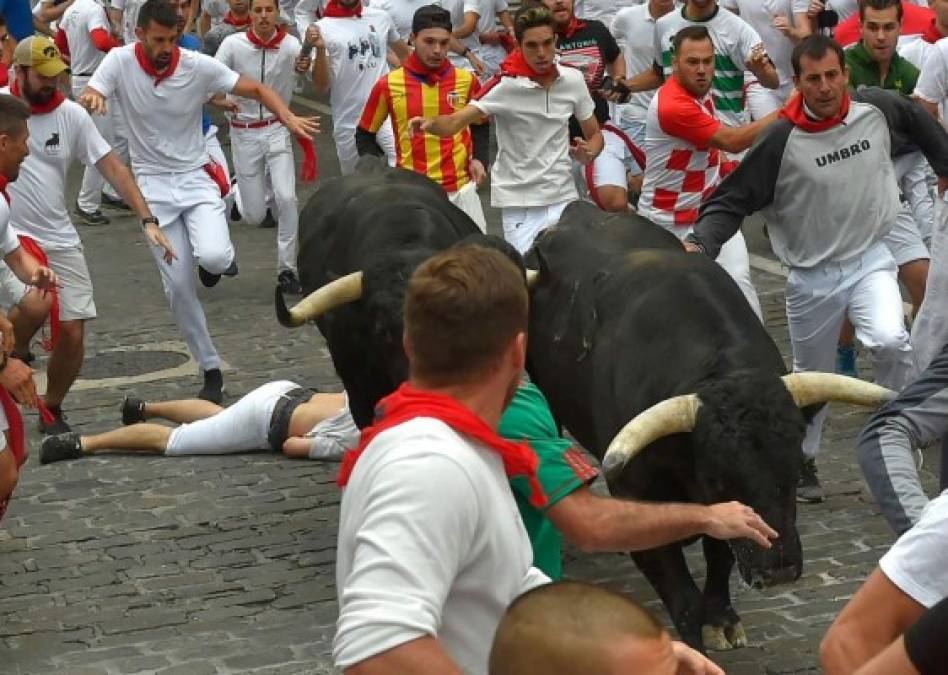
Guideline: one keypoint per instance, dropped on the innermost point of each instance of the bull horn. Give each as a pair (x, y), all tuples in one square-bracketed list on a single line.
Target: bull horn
[(809, 388), (339, 292), (672, 416), (533, 276)]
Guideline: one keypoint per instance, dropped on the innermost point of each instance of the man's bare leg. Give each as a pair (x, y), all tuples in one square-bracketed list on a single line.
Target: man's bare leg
[(28, 317), (65, 361), (182, 411), (148, 438)]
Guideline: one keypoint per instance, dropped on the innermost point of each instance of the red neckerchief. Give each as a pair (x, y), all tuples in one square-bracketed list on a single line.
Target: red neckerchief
[(407, 403), (794, 112), (236, 21), (149, 67), (515, 65), (336, 11), (571, 28), (272, 43), (430, 75), (4, 181), (932, 34), (39, 109)]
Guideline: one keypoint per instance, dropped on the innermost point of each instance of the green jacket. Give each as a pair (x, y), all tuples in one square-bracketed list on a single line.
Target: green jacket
[(863, 70)]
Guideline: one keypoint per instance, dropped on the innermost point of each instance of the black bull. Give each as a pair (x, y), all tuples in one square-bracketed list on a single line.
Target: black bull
[(621, 318)]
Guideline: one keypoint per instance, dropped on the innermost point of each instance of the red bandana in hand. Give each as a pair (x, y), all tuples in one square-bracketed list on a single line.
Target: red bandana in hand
[(149, 67), (43, 108), (336, 11), (794, 112), (236, 21), (272, 43), (408, 403), (430, 75)]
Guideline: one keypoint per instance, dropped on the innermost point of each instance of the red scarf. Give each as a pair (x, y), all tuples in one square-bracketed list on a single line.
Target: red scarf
[(408, 403), (932, 34), (235, 21), (39, 109), (794, 112), (571, 28), (430, 75), (273, 43), (336, 11), (515, 65), (149, 67)]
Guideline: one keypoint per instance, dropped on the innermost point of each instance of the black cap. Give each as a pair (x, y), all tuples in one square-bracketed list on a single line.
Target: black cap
[(430, 16)]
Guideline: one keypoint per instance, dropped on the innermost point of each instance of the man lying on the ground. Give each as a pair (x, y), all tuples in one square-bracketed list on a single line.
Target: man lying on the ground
[(281, 416)]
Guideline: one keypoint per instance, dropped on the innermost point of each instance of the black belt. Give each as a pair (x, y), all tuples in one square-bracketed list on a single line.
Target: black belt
[(82, 74), (282, 413)]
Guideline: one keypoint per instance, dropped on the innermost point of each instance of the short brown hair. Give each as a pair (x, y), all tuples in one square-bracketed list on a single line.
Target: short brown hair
[(532, 15), (563, 627), (13, 114), (880, 5), (463, 308)]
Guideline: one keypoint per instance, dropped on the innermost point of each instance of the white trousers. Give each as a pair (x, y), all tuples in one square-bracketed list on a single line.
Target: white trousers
[(346, 146), (192, 216), (866, 289), (255, 152), (930, 328), (469, 201), (90, 191), (522, 224), (241, 427)]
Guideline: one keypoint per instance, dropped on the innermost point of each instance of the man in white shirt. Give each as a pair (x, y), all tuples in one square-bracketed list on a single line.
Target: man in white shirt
[(163, 89), (124, 16), (531, 102), (61, 132), (351, 44), (430, 550), (262, 146), (480, 32), (85, 35)]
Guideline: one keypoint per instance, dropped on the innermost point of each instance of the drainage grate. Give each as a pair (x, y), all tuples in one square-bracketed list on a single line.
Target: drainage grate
[(129, 364)]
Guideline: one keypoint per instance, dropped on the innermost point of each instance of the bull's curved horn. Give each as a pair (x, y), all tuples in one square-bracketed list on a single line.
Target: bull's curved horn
[(671, 416), (533, 276), (809, 388), (339, 292)]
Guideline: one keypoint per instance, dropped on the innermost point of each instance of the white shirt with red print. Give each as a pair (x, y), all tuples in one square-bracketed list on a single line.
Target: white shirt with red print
[(681, 168)]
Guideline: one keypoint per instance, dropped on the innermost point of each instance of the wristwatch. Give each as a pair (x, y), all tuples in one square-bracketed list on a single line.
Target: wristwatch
[(150, 220)]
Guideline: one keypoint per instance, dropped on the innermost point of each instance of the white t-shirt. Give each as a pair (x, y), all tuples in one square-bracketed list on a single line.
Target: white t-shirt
[(306, 12), (487, 10), (357, 49), (430, 543), (130, 10), (8, 241), (273, 67), (532, 167), (456, 9), (215, 9), (402, 12), (634, 30), (932, 85), (603, 10), (733, 40), (58, 138), (163, 120), (918, 562), (760, 15), (83, 17)]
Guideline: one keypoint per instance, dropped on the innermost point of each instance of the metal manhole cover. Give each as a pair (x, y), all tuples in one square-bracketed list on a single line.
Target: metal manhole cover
[(129, 364)]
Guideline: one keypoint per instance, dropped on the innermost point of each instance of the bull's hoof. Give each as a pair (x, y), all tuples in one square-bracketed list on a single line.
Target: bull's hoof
[(723, 638)]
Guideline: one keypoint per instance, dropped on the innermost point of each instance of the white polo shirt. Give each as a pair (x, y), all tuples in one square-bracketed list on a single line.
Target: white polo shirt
[(57, 138), (83, 17), (273, 67), (163, 120), (532, 167), (430, 543), (130, 10), (918, 562), (357, 48)]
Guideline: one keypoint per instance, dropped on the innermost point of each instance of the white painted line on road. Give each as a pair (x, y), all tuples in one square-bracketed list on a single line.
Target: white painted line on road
[(313, 105), (187, 369)]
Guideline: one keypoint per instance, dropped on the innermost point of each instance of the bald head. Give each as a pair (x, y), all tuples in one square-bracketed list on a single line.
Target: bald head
[(574, 628)]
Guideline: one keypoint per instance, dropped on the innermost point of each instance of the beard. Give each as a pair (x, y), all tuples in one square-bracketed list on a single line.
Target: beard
[(38, 96)]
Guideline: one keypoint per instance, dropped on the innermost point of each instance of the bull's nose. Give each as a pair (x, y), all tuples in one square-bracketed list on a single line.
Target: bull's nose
[(781, 575)]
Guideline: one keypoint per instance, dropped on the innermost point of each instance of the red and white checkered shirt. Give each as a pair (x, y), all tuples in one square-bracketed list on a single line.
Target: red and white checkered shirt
[(681, 169)]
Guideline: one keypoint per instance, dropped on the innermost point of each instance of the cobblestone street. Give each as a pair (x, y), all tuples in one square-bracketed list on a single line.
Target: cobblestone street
[(128, 564)]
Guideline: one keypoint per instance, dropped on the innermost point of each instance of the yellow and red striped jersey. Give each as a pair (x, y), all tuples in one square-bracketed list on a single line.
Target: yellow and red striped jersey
[(404, 94)]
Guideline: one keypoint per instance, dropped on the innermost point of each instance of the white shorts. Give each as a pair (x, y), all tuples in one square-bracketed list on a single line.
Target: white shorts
[(522, 224), (241, 427), (12, 289), (469, 201), (635, 131), (75, 283), (904, 240)]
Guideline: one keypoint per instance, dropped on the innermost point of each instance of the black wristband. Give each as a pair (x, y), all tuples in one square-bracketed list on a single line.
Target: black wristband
[(150, 219)]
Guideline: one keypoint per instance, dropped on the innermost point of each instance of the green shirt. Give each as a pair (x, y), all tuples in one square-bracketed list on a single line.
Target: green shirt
[(864, 71), (563, 469)]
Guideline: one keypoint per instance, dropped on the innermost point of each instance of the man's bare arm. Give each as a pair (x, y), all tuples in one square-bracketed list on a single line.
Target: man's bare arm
[(423, 656)]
